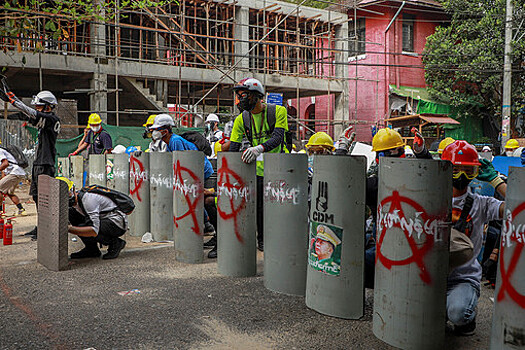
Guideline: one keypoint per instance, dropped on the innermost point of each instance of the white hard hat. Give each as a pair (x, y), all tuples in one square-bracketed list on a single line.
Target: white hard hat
[(212, 118), (119, 149), (162, 120), (250, 84), (486, 149), (44, 98)]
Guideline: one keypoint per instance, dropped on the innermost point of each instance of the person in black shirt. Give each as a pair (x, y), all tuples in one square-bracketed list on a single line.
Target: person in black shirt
[(48, 125)]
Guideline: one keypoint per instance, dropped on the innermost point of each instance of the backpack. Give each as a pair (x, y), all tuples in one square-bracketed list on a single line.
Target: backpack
[(123, 202), (461, 247), (16, 152), (270, 116), (198, 140)]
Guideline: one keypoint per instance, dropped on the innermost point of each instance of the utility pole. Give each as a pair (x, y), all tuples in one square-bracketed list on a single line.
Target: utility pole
[(507, 77)]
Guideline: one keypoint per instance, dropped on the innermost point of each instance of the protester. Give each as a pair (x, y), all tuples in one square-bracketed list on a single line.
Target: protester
[(264, 126), (213, 133), (513, 149), (12, 174), (48, 125), (154, 145), (97, 139)]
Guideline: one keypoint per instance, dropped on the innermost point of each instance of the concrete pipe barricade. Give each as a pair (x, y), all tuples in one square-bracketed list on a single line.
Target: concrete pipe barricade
[(413, 231), (97, 169), (285, 222), (336, 238), (508, 321), (77, 170), (110, 170), (188, 205), (121, 173), (63, 167), (161, 195), (139, 222), (236, 250)]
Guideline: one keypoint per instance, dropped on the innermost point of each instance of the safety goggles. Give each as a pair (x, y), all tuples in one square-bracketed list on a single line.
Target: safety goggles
[(470, 171), (395, 153), (318, 150)]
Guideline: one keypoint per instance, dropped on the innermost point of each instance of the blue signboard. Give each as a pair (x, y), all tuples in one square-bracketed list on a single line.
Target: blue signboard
[(274, 98), (502, 164)]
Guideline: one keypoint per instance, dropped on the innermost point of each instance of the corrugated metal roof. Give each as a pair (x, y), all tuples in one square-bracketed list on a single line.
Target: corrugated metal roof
[(363, 3), (439, 120)]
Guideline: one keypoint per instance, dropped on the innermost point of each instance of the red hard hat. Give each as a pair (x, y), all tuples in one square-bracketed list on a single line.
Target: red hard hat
[(461, 153)]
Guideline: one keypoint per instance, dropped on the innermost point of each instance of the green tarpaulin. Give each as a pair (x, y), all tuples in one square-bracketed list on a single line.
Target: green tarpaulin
[(425, 105)]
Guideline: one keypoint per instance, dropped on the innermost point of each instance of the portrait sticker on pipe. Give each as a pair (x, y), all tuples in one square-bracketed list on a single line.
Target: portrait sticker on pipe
[(324, 249)]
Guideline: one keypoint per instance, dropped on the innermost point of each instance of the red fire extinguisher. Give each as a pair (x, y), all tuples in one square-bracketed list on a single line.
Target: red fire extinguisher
[(8, 232), (1, 227)]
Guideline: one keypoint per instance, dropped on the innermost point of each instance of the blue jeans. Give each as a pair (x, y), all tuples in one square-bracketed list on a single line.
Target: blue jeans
[(462, 299)]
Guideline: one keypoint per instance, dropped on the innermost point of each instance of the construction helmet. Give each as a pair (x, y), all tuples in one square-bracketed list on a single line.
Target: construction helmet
[(94, 119), (321, 139), (150, 121), (212, 118), (68, 182), (386, 139), (162, 120), (512, 144), (461, 153), (44, 98), (250, 84), (444, 143)]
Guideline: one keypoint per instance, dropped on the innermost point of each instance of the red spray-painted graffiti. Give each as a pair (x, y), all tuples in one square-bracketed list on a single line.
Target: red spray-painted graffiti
[(137, 173), (235, 190), (511, 233), (421, 224), (194, 190)]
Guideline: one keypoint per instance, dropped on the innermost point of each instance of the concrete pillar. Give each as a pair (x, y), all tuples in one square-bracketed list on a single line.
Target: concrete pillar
[(97, 169), (139, 220), (341, 108), (414, 202), (242, 36), (63, 167), (508, 322), (110, 170), (161, 195), (335, 274), (285, 201), (98, 99), (161, 91), (98, 33), (121, 172), (188, 205), (236, 220), (52, 245), (77, 170)]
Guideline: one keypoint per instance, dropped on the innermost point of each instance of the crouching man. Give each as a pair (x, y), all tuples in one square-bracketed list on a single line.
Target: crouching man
[(96, 215)]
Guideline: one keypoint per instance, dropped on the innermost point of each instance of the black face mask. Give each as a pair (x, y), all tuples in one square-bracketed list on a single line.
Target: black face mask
[(72, 201), (247, 102), (461, 183)]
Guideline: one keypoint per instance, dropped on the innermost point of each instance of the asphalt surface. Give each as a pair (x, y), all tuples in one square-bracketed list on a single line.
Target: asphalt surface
[(180, 306)]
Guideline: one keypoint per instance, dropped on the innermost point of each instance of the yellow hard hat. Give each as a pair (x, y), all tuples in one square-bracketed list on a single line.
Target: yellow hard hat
[(94, 119), (444, 143), (387, 139), (217, 147), (69, 183), (150, 121), (321, 139), (512, 144)]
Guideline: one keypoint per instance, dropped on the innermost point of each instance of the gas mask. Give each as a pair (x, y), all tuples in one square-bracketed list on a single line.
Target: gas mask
[(461, 182), (96, 128), (146, 134), (509, 153), (156, 135), (72, 200), (247, 101), (208, 128)]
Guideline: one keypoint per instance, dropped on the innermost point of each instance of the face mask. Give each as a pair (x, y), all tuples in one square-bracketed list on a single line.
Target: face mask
[(247, 102), (96, 128), (509, 153), (146, 134), (460, 183), (156, 135), (72, 201), (208, 128)]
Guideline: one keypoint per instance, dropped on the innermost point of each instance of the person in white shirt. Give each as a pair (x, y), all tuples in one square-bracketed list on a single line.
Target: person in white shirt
[(12, 174)]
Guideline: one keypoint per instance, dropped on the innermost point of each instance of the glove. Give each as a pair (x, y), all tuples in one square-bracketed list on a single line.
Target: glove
[(487, 173), (5, 92), (346, 139), (252, 153), (419, 141), (72, 154)]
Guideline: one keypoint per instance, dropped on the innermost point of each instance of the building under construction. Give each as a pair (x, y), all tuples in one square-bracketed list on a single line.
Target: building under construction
[(183, 57)]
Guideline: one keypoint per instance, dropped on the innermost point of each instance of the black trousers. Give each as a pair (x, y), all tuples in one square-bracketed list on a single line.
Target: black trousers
[(260, 206), (107, 234), (39, 170)]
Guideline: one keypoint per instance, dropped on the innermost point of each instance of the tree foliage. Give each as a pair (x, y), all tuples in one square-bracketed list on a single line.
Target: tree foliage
[(311, 3), (464, 60)]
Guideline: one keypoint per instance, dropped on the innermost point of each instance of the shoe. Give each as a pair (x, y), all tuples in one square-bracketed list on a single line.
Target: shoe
[(209, 229), (21, 212), (114, 249), (212, 254), (31, 233), (466, 330), (260, 246), (86, 253), (211, 243)]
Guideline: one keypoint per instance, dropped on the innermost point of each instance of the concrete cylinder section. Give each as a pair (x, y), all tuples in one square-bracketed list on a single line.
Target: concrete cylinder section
[(139, 220), (236, 253), (508, 321), (335, 273), (97, 169), (414, 202), (77, 170), (161, 195), (110, 170), (63, 167), (285, 201), (188, 205), (121, 172)]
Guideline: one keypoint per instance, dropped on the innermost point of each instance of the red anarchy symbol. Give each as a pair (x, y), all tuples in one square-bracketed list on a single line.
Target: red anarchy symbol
[(224, 175), (192, 205), (418, 254), (506, 274), (134, 163)]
